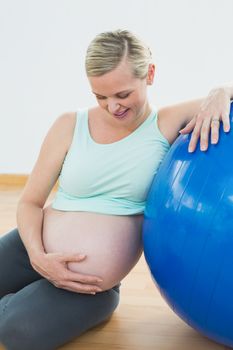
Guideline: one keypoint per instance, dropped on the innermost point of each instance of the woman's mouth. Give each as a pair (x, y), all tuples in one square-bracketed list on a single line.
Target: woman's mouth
[(122, 114)]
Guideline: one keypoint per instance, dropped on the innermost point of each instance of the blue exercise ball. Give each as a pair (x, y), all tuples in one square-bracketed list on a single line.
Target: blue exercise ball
[(188, 235)]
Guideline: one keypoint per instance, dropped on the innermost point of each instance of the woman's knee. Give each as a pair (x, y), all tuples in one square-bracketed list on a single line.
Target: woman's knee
[(6, 253), (18, 332), (10, 244), (23, 326), (15, 268)]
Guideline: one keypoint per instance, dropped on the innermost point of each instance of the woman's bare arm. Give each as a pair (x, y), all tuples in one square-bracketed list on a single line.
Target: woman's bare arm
[(44, 175), (196, 116), (40, 183)]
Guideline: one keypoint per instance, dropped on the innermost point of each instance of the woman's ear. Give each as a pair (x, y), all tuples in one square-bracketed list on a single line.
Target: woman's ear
[(150, 74)]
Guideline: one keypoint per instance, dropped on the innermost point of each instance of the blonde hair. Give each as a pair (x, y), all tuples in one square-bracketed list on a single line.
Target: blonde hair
[(108, 49)]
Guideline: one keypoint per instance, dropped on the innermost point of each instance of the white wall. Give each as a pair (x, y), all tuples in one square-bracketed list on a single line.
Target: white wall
[(42, 48)]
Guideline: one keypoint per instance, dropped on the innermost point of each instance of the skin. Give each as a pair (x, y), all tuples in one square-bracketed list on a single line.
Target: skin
[(115, 91), (118, 90), (111, 243), (213, 110)]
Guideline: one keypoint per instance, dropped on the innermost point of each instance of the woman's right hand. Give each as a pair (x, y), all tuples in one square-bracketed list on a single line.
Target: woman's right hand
[(53, 267)]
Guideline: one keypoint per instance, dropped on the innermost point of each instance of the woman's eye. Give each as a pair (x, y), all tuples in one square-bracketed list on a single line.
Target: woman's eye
[(124, 96), (100, 98), (104, 98)]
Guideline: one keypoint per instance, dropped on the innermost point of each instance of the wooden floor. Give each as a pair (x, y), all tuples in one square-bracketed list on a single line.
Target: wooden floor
[(142, 321)]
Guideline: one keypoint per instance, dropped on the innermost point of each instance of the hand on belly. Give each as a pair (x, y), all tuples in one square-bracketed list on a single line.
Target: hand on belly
[(112, 244)]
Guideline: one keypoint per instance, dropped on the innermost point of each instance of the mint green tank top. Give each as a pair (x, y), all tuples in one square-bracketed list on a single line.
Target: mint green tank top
[(110, 178)]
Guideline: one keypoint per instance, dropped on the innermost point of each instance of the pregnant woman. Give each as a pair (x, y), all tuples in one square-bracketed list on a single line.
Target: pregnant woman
[(61, 268)]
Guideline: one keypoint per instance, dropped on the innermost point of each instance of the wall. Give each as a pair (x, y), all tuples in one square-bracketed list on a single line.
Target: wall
[(43, 44)]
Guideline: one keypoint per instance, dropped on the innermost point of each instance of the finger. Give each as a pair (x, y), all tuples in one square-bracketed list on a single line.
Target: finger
[(195, 136), (226, 121), (73, 276), (204, 135), (79, 287), (74, 290), (189, 127), (72, 258), (196, 133), (215, 132)]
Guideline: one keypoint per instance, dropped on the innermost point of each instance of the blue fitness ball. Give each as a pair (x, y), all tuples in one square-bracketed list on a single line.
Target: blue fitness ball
[(188, 235)]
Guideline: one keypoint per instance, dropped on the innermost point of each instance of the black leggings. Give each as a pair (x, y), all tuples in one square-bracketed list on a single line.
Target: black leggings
[(34, 314)]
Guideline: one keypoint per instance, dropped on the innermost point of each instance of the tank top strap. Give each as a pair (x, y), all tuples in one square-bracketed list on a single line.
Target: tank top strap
[(80, 126)]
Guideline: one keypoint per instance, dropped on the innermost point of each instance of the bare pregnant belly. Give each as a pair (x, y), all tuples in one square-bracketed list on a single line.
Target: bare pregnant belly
[(112, 243)]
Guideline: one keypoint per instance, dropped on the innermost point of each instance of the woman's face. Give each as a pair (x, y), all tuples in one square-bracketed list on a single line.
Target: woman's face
[(121, 95)]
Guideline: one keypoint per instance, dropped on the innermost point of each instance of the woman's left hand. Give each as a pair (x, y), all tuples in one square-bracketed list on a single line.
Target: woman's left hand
[(214, 109)]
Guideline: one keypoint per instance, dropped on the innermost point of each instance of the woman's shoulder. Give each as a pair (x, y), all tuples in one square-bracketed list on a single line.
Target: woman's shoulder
[(67, 123), (67, 118), (170, 120), (65, 126)]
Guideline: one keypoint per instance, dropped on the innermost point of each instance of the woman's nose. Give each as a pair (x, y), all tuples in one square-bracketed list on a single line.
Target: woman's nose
[(113, 105)]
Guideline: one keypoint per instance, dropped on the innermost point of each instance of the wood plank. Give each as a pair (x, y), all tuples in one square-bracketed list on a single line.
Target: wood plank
[(13, 180), (10, 181)]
